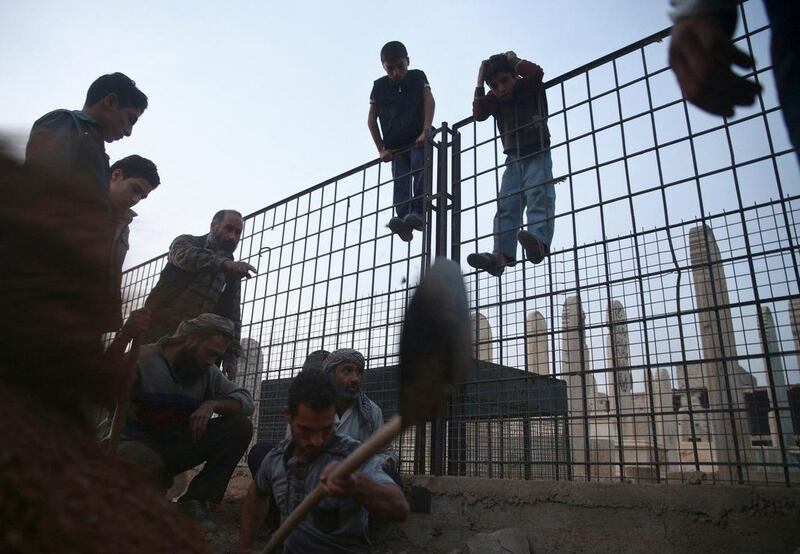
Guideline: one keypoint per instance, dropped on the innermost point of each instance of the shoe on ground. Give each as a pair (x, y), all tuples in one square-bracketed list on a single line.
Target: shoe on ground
[(486, 261), (399, 228), (535, 249), (197, 511), (414, 221)]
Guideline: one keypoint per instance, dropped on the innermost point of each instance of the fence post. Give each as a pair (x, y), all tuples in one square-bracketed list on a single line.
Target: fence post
[(438, 425), (456, 413)]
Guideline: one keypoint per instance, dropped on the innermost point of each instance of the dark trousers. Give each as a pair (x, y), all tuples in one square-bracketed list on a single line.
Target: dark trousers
[(221, 447), (407, 168), (257, 455)]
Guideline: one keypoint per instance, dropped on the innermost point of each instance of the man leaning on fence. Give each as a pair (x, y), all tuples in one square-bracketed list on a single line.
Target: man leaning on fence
[(169, 426), (518, 102), (201, 276)]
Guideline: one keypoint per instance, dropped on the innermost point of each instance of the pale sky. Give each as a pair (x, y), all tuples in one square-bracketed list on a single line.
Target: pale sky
[(253, 101)]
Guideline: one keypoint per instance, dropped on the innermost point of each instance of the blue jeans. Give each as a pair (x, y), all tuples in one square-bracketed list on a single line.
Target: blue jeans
[(405, 167), (526, 181)]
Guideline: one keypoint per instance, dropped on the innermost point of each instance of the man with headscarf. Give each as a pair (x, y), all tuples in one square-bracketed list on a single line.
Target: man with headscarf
[(357, 416), (169, 426)]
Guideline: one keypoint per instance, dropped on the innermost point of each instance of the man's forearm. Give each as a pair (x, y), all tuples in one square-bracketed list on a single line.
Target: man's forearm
[(386, 502), (694, 8), (254, 510), (481, 105), (189, 257), (430, 107), (372, 123), (227, 406)]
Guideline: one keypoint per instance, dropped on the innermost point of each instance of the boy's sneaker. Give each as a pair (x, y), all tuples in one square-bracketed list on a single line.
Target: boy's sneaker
[(197, 511), (535, 250), (415, 221), (399, 228), (486, 261)]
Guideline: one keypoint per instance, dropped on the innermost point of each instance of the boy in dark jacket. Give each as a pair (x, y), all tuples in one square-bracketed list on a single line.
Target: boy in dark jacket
[(403, 102), (72, 143), (518, 103)]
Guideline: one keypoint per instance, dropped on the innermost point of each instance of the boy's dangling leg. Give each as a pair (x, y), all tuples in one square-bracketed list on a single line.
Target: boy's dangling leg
[(401, 171), (506, 222), (416, 216), (540, 198), (510, 202)]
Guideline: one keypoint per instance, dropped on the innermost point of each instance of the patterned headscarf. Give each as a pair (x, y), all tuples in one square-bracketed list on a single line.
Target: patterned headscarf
[(349, 355), (204, 323), (343, 355)]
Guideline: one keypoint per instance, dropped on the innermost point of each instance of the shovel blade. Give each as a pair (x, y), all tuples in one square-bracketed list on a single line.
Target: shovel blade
[(435, 350)]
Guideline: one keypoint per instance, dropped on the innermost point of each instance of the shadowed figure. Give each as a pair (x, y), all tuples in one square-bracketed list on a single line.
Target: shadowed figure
[(59, 491)]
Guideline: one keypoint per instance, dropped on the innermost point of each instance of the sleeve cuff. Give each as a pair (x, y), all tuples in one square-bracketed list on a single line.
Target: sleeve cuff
[(691, 8)]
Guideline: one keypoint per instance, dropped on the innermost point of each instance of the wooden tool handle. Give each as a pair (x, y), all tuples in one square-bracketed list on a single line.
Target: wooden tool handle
[(355, 460)]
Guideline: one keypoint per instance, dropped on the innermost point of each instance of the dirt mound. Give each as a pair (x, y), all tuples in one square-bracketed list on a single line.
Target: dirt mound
[(60, 492)]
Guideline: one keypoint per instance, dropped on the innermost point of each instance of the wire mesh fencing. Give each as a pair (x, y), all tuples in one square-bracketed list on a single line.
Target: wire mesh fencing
[(657, 342)]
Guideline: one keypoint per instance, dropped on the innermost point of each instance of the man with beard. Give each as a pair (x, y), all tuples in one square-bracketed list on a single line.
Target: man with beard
[(314, 360), (306, 459), (201, 276), (169, 427), (357, 416)]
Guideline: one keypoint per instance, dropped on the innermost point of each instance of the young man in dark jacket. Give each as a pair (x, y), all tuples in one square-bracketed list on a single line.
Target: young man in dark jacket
[(403, 103), (71, 143), (518, 103)]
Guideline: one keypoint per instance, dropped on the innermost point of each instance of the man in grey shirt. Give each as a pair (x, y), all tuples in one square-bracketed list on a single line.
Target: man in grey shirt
[(357, 416), (169, 427), (298, 464)]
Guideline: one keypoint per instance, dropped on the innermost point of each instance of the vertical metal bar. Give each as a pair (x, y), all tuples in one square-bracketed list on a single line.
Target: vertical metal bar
[(527, 445), (609, 295), (420, 448), (648, 368), (761, 324), (455, 194), (438, 425), (457, 430), (724, 359), (581, 323), (428, 208), (441, 190), (489, 448)]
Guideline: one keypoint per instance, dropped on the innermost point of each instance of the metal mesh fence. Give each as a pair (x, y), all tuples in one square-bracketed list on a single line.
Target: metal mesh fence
[(329, 276), (658, 342)]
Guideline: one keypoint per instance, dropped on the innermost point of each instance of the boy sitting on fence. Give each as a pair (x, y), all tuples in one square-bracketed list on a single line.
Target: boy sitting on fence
[(403, 102), (518, 103)]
